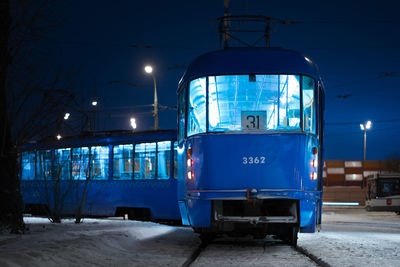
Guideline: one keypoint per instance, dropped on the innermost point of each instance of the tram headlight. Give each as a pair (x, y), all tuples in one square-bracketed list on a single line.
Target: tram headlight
[(314, 176), (190, 175), (314, 163), (189, 162)]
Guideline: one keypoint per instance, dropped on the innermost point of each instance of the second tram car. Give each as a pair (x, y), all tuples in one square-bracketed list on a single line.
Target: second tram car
[(115, 173), (250, 130)]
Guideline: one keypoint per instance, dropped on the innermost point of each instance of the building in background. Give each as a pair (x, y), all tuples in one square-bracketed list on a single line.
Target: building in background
[(344, 181)]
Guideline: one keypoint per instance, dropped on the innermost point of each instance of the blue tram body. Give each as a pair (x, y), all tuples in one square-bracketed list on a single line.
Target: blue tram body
[(250, 129), (129, 173)]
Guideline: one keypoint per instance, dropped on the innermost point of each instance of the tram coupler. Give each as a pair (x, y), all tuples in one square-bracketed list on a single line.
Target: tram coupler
[(251, 194)]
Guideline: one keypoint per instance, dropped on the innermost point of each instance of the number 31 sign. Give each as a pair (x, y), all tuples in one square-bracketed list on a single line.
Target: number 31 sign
[(253, 120)]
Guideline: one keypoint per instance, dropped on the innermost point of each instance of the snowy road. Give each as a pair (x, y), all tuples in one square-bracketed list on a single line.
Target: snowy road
[(349, 237), (231, 252)]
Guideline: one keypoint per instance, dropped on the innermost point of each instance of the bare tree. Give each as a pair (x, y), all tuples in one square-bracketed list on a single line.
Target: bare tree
[(33, 97), (10, 197), (81, 194), (56, 190)]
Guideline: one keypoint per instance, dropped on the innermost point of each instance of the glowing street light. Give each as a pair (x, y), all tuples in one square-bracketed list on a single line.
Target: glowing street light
[(58, 136), (94, 113), (364, 127), (149, 70), (66, 116), (133, 123)]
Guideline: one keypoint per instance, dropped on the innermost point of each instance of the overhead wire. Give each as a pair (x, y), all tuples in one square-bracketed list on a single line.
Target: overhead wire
[(357, 123), (361, 132)]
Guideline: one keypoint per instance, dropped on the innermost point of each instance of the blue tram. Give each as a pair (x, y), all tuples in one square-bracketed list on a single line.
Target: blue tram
[(250, 130), (124, 173)]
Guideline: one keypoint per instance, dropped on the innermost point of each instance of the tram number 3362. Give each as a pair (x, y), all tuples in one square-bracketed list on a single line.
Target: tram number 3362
[(253, 160)]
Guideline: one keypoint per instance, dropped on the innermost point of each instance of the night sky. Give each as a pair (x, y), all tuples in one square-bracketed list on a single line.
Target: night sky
[(354, 44)]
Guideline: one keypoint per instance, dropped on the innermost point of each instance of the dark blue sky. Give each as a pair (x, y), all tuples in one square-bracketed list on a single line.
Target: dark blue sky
[(353, 42)]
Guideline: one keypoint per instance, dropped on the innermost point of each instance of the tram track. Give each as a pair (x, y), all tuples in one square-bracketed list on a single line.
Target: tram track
[(320, 262), (196, 254)]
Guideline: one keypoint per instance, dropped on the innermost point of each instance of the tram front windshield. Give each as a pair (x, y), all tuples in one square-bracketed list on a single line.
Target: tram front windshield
[(251, 102), (388, 187)]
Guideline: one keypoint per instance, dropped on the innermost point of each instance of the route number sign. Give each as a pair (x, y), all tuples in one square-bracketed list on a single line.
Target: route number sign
[(253, 120)]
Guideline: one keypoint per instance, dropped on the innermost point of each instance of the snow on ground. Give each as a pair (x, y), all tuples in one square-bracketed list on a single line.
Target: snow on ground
[(354, 237), (98, 243), (349, 237)]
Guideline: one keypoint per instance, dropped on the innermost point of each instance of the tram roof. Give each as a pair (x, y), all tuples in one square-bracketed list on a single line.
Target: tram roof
[(101, 138), (250, 60)]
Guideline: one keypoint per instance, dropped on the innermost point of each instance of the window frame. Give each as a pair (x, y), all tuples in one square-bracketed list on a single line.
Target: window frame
[(21, 167), (170, 158), (112, 177), (70, 163), (110, 158), (188, 103), (317, 106), (39, 175), (182, 132), (89, 177)]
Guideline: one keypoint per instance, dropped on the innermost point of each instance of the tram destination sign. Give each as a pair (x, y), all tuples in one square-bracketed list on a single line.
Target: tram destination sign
[(253, 120)]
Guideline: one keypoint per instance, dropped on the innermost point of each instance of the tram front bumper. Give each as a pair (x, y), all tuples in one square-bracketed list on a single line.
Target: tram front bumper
[(252, 194), (257, 219), (257, 206)]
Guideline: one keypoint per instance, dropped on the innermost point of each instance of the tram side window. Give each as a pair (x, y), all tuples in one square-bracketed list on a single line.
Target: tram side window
[(289, 101), (62, 163), (123, 162), (43, 164), (309, 118), (175, 159), (80, 163), (164, 159), (197, 107), (181, 113), (99, 157), (145, 158), (28, 165)]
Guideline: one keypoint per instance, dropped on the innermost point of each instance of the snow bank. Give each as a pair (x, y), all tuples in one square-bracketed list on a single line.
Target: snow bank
[(354, 237)]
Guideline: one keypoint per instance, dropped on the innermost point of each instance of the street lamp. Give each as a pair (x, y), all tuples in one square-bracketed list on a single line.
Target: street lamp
[(149, 70), (92, 121), (66, 116), (58, 136), (133, 123), (364, 127)]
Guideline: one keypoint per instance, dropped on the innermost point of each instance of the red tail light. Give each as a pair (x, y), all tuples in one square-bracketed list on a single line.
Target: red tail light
[(314, 176), (314, 151), (189, 162)]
